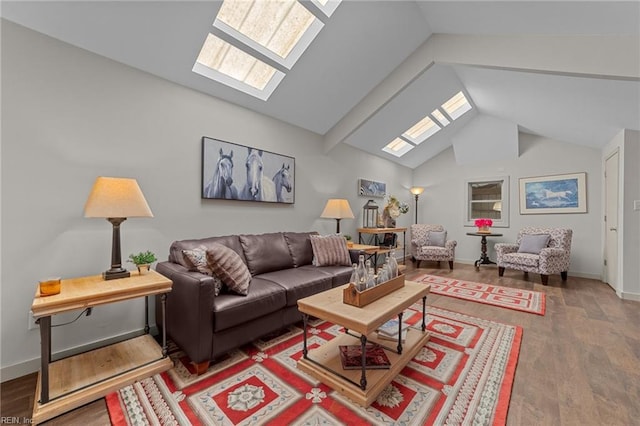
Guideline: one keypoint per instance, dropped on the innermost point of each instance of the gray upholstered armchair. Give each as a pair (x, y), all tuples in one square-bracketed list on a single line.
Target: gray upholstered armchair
[(429, 242), (534, 252)]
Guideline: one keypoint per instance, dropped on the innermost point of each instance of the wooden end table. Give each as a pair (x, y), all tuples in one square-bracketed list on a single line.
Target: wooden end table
[(70, 382), (484, 258), (362, 386)]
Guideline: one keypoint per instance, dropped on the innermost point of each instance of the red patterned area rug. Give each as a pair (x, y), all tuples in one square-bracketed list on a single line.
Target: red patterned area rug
[(513, 298), (463, 375)]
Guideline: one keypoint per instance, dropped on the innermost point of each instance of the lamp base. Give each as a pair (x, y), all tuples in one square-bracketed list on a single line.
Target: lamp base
[(114, 274)]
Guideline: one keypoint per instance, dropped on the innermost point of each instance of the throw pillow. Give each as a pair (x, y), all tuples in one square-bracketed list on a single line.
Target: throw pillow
[(197, 257), (436, 238), (330, 250), (227, 265), (531, 243)]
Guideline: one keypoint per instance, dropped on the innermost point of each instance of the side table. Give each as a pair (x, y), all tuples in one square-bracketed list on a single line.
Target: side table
[(484, 259), (70, 382)]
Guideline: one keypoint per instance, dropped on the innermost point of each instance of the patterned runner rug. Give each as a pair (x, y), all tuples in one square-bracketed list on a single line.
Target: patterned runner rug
[(513, 298), (463, 375)]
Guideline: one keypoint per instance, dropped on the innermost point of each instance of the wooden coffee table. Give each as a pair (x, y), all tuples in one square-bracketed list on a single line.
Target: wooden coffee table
[(323, 363)]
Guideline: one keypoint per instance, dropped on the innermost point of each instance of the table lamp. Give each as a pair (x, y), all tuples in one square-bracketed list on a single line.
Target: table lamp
[(416, 191), (116, 199), (337, 209)]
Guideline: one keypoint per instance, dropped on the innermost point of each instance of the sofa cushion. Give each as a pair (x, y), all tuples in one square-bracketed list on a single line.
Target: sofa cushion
[(263, 298), (176, 255), (526, 259), (266, 252), (300, 247), (227, 265), (436, 238), (533, 244), (339, 274), (330, 250), (299, 282), (198, 259)]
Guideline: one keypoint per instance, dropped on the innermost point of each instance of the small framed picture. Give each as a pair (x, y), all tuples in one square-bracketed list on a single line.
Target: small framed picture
[(371, 188)]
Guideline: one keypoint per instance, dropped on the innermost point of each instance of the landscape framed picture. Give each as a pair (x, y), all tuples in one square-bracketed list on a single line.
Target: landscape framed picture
[(238, 172), (554, 194)]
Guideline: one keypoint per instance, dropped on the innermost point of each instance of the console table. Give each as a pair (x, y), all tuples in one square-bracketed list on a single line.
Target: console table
[(70, 382), (377, 231), (484, 258)]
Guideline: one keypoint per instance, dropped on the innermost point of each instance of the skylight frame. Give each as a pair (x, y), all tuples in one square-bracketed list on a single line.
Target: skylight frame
[(246, 44), (424, 135), (406, 147), (460, 110)]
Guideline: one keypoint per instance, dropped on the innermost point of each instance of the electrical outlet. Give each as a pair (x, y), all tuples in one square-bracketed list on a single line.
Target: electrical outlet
[(32, 322)]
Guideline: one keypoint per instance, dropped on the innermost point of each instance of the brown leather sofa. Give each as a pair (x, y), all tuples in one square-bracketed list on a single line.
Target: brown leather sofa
[(206, 326)]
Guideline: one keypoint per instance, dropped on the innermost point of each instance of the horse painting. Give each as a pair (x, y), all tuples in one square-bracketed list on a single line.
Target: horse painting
[(221, 185), (558, 195), (281, 180), (257, 187)]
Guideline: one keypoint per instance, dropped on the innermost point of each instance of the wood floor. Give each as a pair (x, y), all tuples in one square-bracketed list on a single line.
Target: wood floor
[(579, 364)]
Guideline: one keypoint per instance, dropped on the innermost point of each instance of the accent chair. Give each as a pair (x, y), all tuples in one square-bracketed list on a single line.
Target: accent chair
[(429, 242), (544, 251)]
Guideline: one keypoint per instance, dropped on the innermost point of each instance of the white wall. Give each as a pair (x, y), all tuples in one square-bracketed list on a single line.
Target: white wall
[(627, 142), (69, 116), (443, 200)]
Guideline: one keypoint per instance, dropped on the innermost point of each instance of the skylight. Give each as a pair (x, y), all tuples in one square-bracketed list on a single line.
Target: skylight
[(440, 117), (254, 43), (421, 130), (398, 147), (455, 107)]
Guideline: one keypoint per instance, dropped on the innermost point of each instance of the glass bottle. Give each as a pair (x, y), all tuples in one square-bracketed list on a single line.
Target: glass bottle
[(382, 276), (361, 273), (393, 264), (371, 281), (354, 275)]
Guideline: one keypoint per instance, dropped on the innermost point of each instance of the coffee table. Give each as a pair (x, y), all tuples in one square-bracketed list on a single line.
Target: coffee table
[(362, 386)]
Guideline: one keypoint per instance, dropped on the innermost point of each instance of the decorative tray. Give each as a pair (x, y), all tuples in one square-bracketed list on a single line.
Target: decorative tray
[(353, 297)]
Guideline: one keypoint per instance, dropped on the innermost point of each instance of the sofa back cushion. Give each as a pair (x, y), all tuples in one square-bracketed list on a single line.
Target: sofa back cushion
[(177, 256), (300, 247), (266, 252)]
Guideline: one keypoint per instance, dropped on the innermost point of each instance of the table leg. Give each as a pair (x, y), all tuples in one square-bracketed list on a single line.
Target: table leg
[(400, 332), (45, 357), (424, 312), (363, 379), (163, 303), (146, 315), (404, 247), (484, 258), (305, 319)]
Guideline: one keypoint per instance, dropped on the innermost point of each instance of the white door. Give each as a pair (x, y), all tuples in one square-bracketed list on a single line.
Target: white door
[(611, 221)]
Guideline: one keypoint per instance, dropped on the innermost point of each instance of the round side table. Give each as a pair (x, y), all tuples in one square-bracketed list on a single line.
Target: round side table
[(484, 259)]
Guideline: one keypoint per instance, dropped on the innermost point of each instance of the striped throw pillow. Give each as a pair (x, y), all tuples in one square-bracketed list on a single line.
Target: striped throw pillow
[(330, 250), (227, 265)]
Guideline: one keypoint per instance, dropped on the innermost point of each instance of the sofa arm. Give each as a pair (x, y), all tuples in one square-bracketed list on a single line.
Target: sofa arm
[(354, 255), (450, 244), (553, 260), (189, 311)]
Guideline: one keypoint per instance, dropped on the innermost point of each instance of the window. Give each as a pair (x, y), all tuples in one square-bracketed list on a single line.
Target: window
[(456, 106), (254, 43), (487, 198), (398, 147)]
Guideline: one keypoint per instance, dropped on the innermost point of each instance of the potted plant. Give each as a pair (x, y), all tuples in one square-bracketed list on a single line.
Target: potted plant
[(143, 260), (349, 242)]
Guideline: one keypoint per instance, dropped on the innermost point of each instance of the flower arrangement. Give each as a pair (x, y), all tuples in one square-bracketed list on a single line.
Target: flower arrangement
[(483, 223), (395, 208)]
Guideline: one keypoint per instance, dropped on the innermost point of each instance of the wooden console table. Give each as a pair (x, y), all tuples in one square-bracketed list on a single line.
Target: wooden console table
[(377, 231), (70, 382)]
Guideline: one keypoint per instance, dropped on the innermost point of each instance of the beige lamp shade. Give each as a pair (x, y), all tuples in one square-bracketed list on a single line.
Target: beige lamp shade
[(416, 190), (337, 209), (116, 197)]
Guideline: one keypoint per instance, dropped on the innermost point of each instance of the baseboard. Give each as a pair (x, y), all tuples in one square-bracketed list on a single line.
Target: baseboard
[(33, 365), (629, 296), (570, 273)]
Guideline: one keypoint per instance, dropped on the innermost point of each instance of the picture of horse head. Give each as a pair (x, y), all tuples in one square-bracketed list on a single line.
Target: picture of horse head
[(265, 177)]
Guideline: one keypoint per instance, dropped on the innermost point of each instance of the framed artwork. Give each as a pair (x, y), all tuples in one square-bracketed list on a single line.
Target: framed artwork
[(554, 194), (371, 188), (237, 172)]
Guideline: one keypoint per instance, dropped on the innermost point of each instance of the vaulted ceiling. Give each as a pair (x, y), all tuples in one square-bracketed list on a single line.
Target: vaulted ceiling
[(565, 70)]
